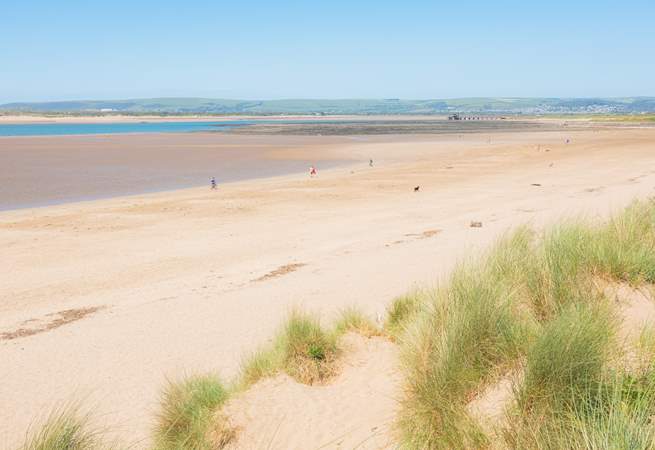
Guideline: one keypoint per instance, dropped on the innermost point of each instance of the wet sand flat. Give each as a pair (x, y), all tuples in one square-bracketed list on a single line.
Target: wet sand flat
[(104, 301), (395, 126), (44, 170)]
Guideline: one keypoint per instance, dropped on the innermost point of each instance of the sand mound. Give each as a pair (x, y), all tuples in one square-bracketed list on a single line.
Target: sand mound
[(356, 410)]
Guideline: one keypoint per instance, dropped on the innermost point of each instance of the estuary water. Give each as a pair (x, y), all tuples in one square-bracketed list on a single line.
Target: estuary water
[(61, 129)]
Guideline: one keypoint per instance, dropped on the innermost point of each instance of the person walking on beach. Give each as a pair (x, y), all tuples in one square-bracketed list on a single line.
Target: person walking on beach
[(312, 171), (370, 163), (213, 183)]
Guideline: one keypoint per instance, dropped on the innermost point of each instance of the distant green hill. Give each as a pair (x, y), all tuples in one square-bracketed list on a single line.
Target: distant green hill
[(343, 106)]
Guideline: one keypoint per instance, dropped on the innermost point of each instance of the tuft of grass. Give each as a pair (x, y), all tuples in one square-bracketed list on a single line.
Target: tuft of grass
[(624, 248), (302, 349), (559, 274), (456, 343), (400, 312), (353, 320), (263, 363), (532, 301), (615, 413), (568, 357), (64, 429), (308, 351), (187, 408)]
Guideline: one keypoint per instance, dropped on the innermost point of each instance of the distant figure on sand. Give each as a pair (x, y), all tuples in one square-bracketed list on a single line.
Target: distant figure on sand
[(417, 188), (312, 171), (370, 163), (213, 182)]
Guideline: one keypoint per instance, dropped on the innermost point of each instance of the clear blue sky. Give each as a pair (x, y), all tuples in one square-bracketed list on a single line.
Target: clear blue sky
[(73, 49)]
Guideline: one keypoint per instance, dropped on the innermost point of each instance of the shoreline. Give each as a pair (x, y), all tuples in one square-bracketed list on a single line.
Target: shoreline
[(42, 171), (181, 192)]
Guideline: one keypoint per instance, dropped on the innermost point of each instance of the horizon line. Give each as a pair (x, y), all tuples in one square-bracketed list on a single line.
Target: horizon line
[(509, 97)]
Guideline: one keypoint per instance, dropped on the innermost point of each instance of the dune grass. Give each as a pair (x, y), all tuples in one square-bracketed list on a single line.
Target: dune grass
[(624, 248), (401, 310), (564, 368), (65, 428), (353, 320), (613, 412), (568, 356), (457, 343), (303, 349), (535, 304), (307, 350), (186, 412)]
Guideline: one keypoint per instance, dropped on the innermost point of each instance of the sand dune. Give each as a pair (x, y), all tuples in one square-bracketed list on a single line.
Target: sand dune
[(355, 410), (191, 280)]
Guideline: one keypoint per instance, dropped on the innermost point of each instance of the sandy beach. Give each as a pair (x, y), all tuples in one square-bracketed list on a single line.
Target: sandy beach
[(105, 300)]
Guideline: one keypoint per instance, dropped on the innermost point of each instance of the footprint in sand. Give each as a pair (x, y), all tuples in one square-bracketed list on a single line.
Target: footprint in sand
[(424, 235), (55, 320), (634, 179), (282, 270)]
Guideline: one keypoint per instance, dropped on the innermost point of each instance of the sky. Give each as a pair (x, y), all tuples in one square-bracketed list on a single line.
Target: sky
[(73, 49)]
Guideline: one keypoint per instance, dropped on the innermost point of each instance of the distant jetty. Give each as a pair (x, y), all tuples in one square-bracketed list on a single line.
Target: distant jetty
[(458, 117)]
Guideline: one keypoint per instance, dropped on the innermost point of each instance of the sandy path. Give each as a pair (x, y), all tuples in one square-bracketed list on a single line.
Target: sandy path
[(174, 272)]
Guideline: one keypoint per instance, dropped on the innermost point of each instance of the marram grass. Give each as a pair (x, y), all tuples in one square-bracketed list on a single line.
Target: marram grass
[(186, 412), (302, 348), (534, 304), (66, 428)]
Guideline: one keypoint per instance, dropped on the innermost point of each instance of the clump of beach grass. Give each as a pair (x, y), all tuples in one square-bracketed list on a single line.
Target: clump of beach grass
[(353, 320), (568, 356), (401, 310), (187, 411), (624, 247), (308, 351), (557, 272), (66, 428), (264, 362), (614, 412), (457, 343), (303, 349), (533, 304)]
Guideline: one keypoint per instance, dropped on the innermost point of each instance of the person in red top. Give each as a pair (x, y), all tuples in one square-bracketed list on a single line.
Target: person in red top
[(312, 171)]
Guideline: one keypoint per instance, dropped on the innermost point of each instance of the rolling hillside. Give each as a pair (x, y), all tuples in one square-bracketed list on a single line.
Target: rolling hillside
[(629, 105)]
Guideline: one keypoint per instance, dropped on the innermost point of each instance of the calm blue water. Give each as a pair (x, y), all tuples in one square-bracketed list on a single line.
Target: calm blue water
[(59, 129)]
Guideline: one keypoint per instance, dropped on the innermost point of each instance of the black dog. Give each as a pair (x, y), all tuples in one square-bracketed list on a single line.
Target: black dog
[(416, 189)]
